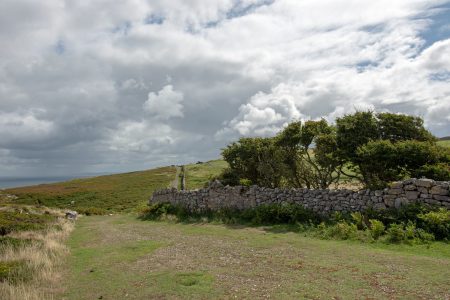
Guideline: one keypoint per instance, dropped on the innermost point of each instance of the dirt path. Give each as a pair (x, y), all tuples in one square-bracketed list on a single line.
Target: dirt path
[(119, 257)]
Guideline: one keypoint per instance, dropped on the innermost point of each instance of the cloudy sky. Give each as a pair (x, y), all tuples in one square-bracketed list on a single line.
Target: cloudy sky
[(117, 85)]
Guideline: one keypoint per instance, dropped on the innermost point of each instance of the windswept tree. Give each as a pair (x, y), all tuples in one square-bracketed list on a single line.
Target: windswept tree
[(384, 147), (310, 154)]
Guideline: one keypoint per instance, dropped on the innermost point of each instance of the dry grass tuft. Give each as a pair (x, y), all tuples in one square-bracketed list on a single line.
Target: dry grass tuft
[(40, 273)]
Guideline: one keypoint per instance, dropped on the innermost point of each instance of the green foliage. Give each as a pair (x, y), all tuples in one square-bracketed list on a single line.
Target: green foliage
[(257, 160), (409, 233), (15, 243), (15, 221), (261, 215), (358, 220), (341, 231), (91, 211), (437, 222), (439, 171), (14, 271), (354, 131), (399, 127), (377, 228), (245, 182), (384, 147), (396, 233)]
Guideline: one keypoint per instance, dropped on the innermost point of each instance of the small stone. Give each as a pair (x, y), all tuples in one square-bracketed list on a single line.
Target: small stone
[(441, 198), (412, 195), (410, 187), (438, 190), (397, 185), (395, 191), (424, 182)]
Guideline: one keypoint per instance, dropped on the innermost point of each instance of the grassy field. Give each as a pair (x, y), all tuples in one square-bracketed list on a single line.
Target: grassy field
[(445, 143), (197, 175), (120, 257), (112, 193)]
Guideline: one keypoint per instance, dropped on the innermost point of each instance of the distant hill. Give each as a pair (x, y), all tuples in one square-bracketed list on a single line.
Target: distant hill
[(445, 138), (112, 193), (97, 195)]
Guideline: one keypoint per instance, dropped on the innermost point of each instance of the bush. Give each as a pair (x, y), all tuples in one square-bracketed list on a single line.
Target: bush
[(395, 233), (282, 214), (439, 171), (409, 233), (376, 228), (438, 223), (155, 211)]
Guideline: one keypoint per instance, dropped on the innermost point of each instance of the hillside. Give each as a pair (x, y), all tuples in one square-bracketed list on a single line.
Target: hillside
[(445, 143), (98, 195), (113, 193), (197, 175)]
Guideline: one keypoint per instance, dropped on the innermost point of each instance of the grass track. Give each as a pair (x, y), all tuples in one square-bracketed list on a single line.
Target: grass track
[(119, 257)]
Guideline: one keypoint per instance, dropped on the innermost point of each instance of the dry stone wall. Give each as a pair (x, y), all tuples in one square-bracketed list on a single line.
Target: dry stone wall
[(217, 196)]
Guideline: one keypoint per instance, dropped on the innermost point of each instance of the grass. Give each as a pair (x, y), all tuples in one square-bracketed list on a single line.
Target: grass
[(31, 257), (197, 175), (444, 143), (97, 195), (121, 257), (21, 221)]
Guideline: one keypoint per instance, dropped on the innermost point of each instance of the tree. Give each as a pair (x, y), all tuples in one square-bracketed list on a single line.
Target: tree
[(317, 168), (257, 160), (384, 147)]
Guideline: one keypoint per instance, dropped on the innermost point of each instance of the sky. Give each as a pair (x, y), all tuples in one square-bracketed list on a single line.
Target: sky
[(111, 85)]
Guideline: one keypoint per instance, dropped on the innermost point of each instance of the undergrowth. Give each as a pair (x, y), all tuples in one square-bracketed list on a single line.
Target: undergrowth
[(411, 224)]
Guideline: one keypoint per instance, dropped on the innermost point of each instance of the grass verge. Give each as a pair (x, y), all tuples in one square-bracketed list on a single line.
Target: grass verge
[(31, 258)]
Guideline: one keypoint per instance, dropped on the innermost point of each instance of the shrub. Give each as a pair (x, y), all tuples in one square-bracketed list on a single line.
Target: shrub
[(155, 211), (395, 233), (439, 171), (438, 223), (376, 228), (358, 219), (341, 230)]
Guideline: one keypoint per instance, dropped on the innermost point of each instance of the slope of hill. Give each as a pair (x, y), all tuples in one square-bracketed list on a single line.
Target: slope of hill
[(197, 175), (98, 195), (445, 143)]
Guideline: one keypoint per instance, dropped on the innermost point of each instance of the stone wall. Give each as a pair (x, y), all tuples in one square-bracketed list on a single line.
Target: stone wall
[(217, 196)]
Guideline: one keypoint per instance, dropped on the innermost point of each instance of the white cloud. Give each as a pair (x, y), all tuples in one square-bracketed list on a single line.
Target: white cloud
[(165, 104), (94, 82)]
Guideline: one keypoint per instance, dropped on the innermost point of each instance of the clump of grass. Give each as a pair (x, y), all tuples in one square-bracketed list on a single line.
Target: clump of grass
[(8, 241)]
